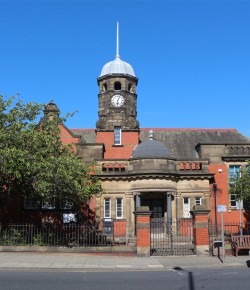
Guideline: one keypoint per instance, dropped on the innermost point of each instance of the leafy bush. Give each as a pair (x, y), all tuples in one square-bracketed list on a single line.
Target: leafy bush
[(38, 240), (11, 237)]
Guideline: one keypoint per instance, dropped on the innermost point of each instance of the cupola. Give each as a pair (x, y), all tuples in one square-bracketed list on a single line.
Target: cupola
[(117, 66)]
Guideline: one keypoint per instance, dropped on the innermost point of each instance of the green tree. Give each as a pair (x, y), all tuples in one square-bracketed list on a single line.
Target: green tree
[(240, 185), (33, 160)]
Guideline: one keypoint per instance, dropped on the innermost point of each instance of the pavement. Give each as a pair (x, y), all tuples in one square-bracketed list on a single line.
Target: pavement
[(110, 262)]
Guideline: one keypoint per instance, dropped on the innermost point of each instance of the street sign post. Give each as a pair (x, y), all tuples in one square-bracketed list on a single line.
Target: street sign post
[(222, 209)]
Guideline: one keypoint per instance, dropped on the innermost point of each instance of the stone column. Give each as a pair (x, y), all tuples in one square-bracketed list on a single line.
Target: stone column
[(99, 207), (207, 198), (177, 204), (169, 207), (200, 229), (130, 218), (143, 215), (138, 200)]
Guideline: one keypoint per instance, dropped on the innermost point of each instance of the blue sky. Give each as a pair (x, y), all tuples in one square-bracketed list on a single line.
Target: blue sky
[(192, 58)]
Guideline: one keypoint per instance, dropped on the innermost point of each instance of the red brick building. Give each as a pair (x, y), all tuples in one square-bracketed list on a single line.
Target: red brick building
[(169, 170)]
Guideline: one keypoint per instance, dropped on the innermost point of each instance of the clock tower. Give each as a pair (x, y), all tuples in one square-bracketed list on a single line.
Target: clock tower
[(117, 98)]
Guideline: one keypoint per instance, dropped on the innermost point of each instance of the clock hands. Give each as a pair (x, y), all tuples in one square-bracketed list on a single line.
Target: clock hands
[(117, 102)]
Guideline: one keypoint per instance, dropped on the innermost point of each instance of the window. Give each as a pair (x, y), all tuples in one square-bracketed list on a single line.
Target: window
[(233, 201), (130, 87), (48, 204), (107, 208), (234, 172), (66, 204), (247, 169), (186, 207), (119, 208), (117, 135), (30, 203), (117, 86), (198, 201), (104, 87)]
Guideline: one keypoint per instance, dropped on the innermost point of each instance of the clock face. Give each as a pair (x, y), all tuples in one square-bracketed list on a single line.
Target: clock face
[(117, 100)]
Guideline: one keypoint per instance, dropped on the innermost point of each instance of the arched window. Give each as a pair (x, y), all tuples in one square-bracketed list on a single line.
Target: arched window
[(130, 87), (117, 86), (104, 87)]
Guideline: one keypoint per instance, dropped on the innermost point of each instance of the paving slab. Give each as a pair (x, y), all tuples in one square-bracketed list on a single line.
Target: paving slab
[(107, 262)]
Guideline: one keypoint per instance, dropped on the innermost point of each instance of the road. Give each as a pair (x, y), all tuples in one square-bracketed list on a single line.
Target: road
[(193, 279)]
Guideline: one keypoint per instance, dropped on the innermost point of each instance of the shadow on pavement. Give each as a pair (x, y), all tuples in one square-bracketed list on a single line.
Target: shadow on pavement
[(190, 277)]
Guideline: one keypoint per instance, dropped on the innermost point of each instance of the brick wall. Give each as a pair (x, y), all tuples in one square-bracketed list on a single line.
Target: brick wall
[(222, 195), (200, 229), (129, 140), (66, 136), (201, 237), (143, 231), (143, 216)]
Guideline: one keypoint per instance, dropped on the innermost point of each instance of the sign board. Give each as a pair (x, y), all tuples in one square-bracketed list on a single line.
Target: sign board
[(69, 218), (221, 208), (108, 227)]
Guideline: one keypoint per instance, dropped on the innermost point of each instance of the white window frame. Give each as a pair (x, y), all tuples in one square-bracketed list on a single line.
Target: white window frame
[(233, 200), (186, 213), (107, 213), (119, 208), (117, 135), (236, 204), (234, 173), (198, 200)]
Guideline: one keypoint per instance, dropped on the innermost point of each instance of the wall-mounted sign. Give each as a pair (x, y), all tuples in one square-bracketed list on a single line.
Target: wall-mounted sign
[(221, 208), (69, 218)]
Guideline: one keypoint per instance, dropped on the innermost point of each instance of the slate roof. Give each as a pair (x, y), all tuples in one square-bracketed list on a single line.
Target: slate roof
[(181, 143), (87, 134)]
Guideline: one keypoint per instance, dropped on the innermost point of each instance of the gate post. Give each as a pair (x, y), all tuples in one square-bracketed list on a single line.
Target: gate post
[(143, 215), (200, 229)]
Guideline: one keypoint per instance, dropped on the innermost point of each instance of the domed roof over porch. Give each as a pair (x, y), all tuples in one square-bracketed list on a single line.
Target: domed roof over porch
[(150, 149)]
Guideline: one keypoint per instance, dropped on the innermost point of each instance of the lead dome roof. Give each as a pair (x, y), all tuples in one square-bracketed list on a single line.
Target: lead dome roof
[(117, 66), (151, 149)]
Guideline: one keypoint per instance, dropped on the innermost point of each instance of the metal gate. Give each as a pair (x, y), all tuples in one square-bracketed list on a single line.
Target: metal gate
[(172, 238)]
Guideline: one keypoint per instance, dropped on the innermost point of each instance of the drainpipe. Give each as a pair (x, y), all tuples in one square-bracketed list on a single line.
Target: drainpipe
[(215, 208)]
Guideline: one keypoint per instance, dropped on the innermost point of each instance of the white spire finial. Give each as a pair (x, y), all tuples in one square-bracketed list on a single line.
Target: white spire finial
[(117, 40)]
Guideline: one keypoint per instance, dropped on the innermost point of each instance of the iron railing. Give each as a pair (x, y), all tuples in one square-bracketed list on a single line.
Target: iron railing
[(230, 228), (69, 235)]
